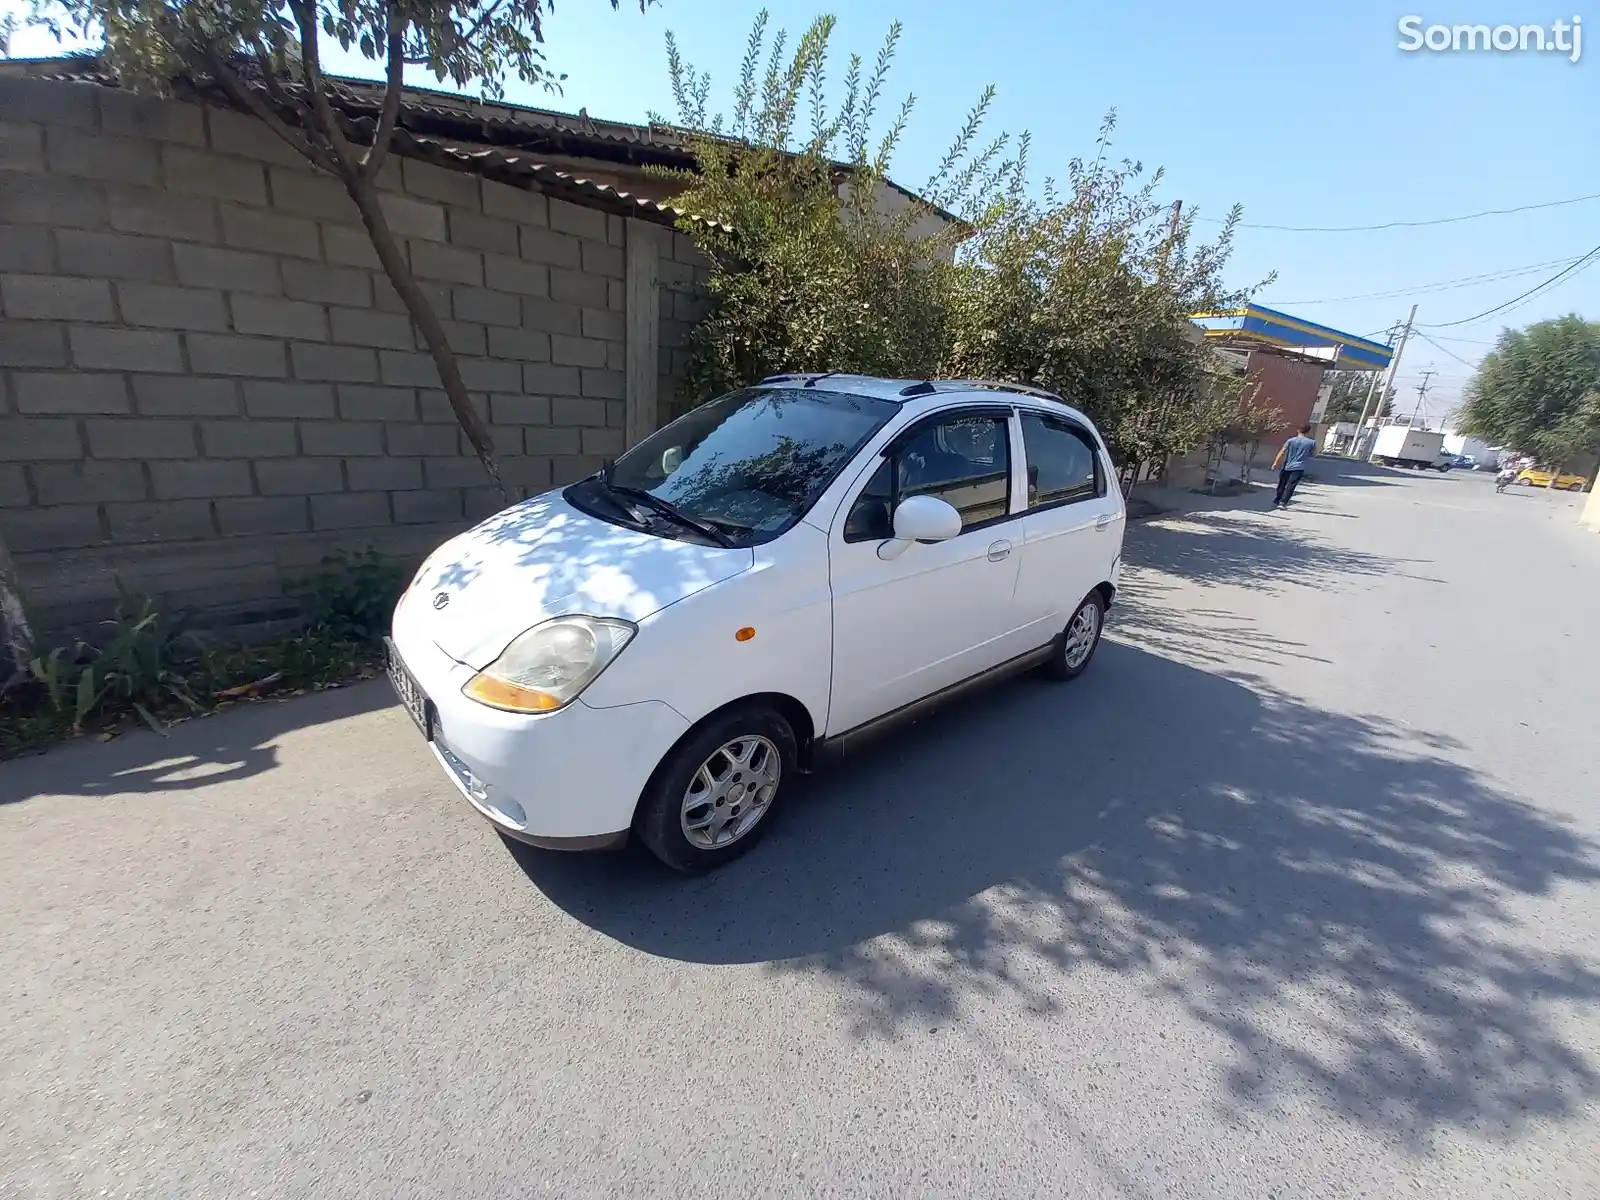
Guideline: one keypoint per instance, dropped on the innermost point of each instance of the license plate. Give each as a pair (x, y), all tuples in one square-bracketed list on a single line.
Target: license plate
[(412, 697)]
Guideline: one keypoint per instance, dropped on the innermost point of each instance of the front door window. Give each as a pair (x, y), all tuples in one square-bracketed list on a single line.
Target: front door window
[(964, 460)]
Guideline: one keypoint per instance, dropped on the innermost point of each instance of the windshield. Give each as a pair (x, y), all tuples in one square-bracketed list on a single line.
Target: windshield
[(750, 464)]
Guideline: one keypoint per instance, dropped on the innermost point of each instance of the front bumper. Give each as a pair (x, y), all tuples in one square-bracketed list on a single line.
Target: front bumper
[(566, 780)]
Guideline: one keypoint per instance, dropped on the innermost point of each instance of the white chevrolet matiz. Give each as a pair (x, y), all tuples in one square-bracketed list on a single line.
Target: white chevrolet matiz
[(748, 592)]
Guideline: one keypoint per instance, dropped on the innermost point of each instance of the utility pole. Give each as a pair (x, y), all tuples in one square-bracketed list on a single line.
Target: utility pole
[(1355, 442), (1394, 370), (1172, 233), (1422, 393)]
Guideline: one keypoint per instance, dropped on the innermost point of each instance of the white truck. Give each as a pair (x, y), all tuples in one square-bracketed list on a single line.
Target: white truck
[(1400, 446), (1480, 454)]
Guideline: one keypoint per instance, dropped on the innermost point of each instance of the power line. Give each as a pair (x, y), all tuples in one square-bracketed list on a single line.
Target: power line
[(1488, 212), (1446, 350), (1576, 264), (1445, 337), (1444, 285)]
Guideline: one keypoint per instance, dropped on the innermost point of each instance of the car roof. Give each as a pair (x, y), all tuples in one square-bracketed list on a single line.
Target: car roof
[(917, 396)]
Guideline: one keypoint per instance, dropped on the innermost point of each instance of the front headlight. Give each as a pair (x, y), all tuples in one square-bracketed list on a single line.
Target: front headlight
[(548, 666)]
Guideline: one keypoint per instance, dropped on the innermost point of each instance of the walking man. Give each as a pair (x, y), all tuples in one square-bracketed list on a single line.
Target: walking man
[(1291, 465)]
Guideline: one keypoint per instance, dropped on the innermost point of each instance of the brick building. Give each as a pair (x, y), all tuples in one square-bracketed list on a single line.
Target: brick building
[(1283, 358)]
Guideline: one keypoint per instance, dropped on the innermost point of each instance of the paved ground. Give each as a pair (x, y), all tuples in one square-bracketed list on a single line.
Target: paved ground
[(1296, 894)]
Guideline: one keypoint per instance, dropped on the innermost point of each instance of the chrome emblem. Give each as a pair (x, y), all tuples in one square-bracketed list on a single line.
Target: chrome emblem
[(440, 599)]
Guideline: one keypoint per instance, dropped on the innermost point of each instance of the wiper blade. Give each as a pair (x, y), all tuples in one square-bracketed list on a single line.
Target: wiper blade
[(671, 511)]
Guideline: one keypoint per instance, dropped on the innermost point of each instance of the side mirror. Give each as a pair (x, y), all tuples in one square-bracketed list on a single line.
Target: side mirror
[(920, 519)]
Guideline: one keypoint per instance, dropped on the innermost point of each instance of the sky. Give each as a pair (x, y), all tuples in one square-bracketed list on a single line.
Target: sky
[(1306, 114)]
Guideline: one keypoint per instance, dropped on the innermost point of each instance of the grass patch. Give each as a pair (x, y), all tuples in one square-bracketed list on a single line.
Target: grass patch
[(148, 670)]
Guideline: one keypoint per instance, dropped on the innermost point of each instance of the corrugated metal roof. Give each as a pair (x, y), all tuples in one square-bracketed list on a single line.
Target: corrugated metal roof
[(519, 169), (463, 118), (501, 165)]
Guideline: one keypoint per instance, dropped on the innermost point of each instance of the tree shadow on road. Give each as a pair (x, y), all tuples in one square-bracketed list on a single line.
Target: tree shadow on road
[(1217, 638), (1348, 472), (1332, 896), (1250, 549), (198, 753)]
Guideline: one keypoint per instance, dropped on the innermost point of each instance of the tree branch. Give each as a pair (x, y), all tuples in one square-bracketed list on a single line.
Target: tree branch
[(372, 161), (471, 35), (266, 64), (247, 96), (305, 16)]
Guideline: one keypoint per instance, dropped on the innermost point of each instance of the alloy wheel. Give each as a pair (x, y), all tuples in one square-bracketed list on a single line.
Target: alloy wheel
[(1081, 635), (730, 792)]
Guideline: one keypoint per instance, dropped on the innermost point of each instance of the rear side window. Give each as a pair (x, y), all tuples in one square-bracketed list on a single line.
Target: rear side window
[(964, 459), (1063, 465)]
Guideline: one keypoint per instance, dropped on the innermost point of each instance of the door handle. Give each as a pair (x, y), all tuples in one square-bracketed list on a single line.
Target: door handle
[(1103, 520), (999, 550)]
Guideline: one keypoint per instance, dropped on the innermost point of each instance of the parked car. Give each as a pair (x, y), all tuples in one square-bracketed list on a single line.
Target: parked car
[(1534, 477), (1464, 462), (748, 593)]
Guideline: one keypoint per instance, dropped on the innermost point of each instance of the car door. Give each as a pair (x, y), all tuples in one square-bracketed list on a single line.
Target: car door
[(907, 626), (1072, 520)]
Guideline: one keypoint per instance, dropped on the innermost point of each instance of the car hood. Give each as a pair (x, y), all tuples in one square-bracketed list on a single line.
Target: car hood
[(544, 558)]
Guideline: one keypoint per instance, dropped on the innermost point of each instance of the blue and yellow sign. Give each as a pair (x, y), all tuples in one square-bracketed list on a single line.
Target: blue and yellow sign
[(1269, 327)]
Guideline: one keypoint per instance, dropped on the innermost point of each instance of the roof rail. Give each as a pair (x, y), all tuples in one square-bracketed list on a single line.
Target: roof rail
[(1001, 385), (813, 376)]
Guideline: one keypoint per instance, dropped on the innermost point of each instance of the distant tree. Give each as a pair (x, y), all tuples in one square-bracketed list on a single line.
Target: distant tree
[(1349, 397), (1256, 420), (267, 57), (1538, 391), (1217, 414)]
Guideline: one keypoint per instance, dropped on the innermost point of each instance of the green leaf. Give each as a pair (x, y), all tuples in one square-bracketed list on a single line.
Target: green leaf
[(150, 719), (88, 695)]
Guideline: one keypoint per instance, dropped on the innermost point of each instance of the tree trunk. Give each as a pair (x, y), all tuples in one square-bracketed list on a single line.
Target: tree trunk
[(14, 619), (365, 194), (1555, 476)]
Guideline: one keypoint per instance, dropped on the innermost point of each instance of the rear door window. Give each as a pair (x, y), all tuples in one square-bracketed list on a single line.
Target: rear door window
[(1063, 463)]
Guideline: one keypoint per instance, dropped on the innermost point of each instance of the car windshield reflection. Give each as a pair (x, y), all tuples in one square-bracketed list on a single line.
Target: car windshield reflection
[(744, 468)]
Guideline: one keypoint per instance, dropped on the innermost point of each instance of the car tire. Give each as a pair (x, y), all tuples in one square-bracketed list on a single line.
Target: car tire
[(1576, 487), (667, 823), (1068, 659), (1525, 482)]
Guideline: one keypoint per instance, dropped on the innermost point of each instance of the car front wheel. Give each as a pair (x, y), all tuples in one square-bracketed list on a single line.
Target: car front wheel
[(1075, 647), (712, 796)]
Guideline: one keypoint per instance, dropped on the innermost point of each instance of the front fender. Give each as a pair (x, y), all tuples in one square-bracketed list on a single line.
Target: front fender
[(691, 657)]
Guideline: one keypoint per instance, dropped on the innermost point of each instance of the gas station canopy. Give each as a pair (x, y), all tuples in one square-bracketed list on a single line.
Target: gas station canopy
[(1240, 328)]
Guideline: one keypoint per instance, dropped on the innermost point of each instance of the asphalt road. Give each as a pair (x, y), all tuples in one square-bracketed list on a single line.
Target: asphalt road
[(1295, 894)]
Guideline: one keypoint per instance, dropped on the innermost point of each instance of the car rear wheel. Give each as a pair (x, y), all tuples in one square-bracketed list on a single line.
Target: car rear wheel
[(712, 796), (1575, 487), (1075, 646)]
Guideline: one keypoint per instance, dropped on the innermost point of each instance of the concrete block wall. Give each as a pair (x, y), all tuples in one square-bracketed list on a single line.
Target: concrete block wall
[(207, 383), (684, 275)]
